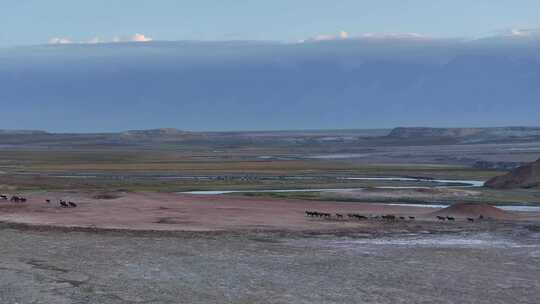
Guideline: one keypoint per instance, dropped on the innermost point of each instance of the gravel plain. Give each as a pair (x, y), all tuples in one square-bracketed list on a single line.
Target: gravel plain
[(495, 263)]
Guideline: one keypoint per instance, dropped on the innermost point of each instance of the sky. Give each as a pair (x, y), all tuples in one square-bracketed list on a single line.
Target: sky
[(30, 22)]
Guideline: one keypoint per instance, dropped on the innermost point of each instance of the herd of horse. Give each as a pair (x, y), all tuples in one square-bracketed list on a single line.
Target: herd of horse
[(20, 199), (13, 199), (451, 218), (387, 217), (356, 216)]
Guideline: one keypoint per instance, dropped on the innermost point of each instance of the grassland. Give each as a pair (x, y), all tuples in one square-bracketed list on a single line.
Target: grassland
[(246, 161), (168, 171)]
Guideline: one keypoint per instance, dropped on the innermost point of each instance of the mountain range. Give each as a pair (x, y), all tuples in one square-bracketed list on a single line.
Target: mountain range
[(247, 85), (299, 138)]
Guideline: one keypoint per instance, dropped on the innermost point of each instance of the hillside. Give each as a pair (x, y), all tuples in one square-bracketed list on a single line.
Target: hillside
[(527, 176), (340, 140), (467, 134)]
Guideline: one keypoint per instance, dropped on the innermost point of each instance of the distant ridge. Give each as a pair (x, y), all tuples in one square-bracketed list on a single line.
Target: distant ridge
[(402, 132), (156, 132), (527, 176), (22, 132), (465, 134)]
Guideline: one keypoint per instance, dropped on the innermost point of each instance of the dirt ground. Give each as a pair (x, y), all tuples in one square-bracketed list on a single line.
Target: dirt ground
[(165, 211), (499, 263)]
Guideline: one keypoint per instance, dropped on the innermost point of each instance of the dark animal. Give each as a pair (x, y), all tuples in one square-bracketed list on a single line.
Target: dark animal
[(412, 217), (481, 217), (470, 219), (72, 204), (450, 218), (48, 201), (3, 197), (18, 199), (339, 216), (441, 218), (63, 204), (312, 213), (389, 217), (401, 217)]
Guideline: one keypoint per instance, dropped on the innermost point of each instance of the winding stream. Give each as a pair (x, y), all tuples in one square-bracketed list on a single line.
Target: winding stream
[(461, 183), (443, 182)]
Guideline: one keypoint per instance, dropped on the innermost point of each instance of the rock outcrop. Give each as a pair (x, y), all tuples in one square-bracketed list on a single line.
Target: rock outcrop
[(527, 176)]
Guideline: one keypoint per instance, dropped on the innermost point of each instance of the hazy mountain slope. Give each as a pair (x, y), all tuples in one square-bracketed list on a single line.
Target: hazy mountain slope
[(464, 135), (337, 139), (527, 176), (248, 85)]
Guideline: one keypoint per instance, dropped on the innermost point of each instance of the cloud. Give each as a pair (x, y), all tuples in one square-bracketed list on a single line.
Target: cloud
[(60, 40), (345, 36), (140, 38), (393, 36), (340, 36), (95, 40), (133, 38), (513, 35), (522, 33)]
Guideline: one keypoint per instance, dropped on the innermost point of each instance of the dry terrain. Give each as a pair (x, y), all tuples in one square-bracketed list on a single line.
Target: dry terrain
[(133, 239), (183, 212), (178, 248)]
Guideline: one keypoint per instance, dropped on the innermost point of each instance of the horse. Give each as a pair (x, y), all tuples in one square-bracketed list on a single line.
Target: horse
[(441, 218), (18, 199), (72, 204), (470, 219), (389, 217), (63, 204), (450, 218), (339, 216), (312, 213), (412, 217)]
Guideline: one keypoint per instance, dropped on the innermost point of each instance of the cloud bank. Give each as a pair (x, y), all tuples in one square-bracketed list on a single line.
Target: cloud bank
[(523, 33), (343, 35), (95, 40), (60, 40)]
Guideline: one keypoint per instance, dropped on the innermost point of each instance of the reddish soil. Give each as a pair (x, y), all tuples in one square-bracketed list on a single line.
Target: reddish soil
[(180, 212), (527, 176), (463, 210)]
